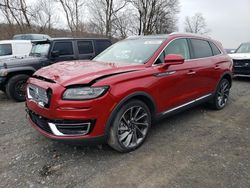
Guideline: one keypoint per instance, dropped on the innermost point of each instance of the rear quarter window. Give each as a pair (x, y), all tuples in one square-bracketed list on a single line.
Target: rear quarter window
[(101, 45), (201, 48), (85, 47), (215, 49)]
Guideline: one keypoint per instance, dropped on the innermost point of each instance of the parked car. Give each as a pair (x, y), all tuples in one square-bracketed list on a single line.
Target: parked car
[(115, 97), (14, 48), (15, 72), (230, 51), (31, 36), (241, 60)]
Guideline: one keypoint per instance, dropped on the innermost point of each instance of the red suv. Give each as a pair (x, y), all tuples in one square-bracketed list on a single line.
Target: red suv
[(116, 96)]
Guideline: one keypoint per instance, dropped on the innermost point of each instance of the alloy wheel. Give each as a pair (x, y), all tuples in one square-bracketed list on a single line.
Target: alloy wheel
[(223, 94), (133, 126)]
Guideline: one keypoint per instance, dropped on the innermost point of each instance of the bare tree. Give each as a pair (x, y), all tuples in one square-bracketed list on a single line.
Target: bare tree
[(45, 17), (104, 13), (124, 24), (196, 24), (73, 11), (155, 16), (17, 12)]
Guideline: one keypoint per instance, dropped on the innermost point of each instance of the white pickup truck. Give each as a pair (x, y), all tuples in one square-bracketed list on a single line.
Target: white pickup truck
[(14, 48)]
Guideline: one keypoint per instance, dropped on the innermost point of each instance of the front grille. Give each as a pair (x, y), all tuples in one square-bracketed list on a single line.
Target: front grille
[(242, 63), (242, 66), (38, 94), (63, 127)]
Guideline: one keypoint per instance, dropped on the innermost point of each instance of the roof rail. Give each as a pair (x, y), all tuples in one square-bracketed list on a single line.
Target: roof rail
[(190, 34)]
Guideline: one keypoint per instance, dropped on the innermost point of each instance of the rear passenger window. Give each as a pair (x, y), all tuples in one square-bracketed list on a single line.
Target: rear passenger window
[(215, 49), (102, 45), (85, 47), (201, 48), (178, 46), (64, 48)]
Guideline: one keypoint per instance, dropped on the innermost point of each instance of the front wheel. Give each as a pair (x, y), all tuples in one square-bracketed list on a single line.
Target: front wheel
[(221, 96), (15, 88), (130, 126)]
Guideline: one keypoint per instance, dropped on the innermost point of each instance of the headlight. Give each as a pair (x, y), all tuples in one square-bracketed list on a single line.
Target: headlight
[(84, 93)]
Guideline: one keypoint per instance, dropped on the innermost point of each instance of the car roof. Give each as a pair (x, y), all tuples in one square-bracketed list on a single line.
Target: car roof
[(189, 35), (65, 38), (165, 36), (245, 43), (162, 36), (34, 34), (14, 41), (71, 38)]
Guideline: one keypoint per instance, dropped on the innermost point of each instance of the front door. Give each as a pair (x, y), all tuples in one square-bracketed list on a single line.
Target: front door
[(176, 84)]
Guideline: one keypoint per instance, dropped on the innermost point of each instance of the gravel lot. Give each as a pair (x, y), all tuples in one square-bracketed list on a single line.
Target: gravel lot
[(196, 148)]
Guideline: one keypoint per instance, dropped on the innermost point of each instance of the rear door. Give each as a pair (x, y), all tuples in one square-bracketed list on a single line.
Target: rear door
[(206, 76), (85, 49)]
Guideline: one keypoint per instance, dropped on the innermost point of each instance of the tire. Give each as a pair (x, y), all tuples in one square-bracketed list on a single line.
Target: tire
[(130, 126), (221, 95), (15, 88)]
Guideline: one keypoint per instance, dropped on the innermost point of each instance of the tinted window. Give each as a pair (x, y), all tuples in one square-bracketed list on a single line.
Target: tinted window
[(5, 49), (85, 47), (102, 45), (201, 48), (64, 48), (179, 46), (215, 49)]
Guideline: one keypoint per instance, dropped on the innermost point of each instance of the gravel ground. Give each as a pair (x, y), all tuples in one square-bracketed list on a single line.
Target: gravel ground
[(196, 148)]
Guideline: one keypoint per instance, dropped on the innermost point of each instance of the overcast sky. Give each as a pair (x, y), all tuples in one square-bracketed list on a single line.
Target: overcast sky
[(228, 20)]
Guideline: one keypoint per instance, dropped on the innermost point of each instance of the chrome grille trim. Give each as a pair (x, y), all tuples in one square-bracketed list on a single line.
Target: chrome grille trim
[(37, 94)]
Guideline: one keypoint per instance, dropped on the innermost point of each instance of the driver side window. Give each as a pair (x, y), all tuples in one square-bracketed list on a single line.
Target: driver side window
[(178, 46)]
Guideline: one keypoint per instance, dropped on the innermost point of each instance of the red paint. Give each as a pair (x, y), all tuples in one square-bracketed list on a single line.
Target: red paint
[(166, 91)]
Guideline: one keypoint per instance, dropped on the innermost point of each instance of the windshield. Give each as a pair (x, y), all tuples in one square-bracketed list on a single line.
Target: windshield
[(40, 49), (136, 51), (5, 49), (244, 48)]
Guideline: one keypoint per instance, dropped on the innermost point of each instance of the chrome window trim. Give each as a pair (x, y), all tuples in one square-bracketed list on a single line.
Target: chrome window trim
[(187, 60)]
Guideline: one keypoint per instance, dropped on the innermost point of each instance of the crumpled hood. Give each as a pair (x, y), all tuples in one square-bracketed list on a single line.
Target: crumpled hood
[(240, 56), (83, 71), (20, 61)]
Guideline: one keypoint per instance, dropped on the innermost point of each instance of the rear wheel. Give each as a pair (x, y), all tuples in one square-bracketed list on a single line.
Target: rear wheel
[(15, 88), (221, 96), (130, 126)]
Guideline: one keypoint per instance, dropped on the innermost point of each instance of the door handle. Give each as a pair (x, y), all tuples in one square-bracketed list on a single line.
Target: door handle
[(217, 67), (191, 72)]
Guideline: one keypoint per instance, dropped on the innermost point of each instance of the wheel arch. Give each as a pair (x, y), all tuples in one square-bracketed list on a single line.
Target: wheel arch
[(142, 96), (12, 73), (227, 76)]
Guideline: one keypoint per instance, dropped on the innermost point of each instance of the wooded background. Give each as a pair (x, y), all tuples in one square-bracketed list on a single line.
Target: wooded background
[(83, 18)]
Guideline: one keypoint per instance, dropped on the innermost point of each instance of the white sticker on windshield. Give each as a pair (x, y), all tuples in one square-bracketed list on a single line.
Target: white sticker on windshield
[(153, 42)]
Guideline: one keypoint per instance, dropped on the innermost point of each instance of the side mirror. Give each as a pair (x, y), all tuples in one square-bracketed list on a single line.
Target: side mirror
[(173, 59), (232, 51), (55, 54)]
